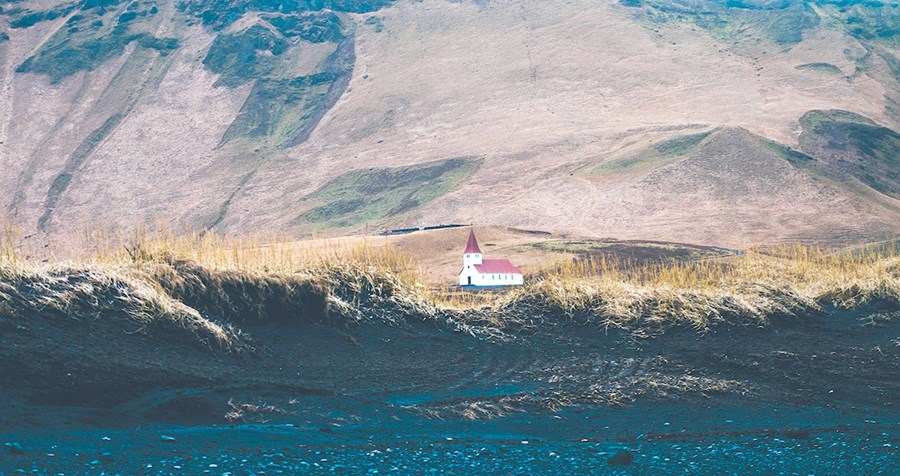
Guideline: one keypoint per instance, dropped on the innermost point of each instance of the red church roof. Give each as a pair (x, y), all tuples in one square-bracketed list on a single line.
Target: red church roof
[(472, 245), (496, 266)]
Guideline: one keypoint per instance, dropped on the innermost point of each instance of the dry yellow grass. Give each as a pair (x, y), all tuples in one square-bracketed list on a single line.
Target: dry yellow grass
[(192, 278), (757, 284), (198, 281), (9, 238)]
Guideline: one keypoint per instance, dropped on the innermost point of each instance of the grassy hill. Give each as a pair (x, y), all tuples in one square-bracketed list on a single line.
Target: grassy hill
[(849, 147), (612, 118)]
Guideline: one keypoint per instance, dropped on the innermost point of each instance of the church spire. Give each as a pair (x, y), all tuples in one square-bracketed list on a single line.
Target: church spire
[(472, 245)]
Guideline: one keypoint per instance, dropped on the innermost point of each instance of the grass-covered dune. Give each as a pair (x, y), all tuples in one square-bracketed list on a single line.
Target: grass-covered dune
[(208, 284), (204, 298)]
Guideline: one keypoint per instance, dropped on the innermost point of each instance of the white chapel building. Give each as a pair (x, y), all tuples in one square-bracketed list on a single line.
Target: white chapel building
[(480, 272)]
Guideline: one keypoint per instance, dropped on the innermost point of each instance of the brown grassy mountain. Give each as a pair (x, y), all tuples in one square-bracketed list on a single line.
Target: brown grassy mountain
[(699, 121)]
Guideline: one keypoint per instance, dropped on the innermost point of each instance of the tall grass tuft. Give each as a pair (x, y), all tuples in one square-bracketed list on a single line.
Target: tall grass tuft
[(756, 285), (10, 241)]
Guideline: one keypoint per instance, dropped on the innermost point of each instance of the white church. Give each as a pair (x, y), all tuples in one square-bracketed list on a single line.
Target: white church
[(480, 272)]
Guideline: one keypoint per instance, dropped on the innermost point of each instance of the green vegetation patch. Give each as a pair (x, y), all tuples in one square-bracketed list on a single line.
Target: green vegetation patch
[(100, 29), (782, 21), (867, 20), (280, 103), (789, 154), (285, 110), (821, 67), (893, 64), (23, 18), (257, 52), (282, 108), (219, 14), (656, 155), (797, 158), (245, 56), (786, 27), (815, 119), (848, 146), (680, 146), (316, 27), (371, 195), (377, 23), (90, 38)]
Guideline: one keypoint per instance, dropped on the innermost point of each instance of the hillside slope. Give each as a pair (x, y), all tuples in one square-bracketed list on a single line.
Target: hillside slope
[(336, 116), (736, 179)]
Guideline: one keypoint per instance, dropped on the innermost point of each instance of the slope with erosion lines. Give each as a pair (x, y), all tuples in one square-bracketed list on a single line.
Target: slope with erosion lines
[(284, 67), (98, 104), (247, 120)]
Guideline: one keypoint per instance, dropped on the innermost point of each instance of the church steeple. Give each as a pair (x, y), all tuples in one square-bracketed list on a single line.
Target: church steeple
[(472, 245), (472, 255)]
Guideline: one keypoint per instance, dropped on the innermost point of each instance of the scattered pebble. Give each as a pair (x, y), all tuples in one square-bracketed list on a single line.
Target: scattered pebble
[(15, 448)]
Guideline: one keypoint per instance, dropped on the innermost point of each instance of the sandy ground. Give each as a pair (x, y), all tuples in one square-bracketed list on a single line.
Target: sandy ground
[(804, 395)]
